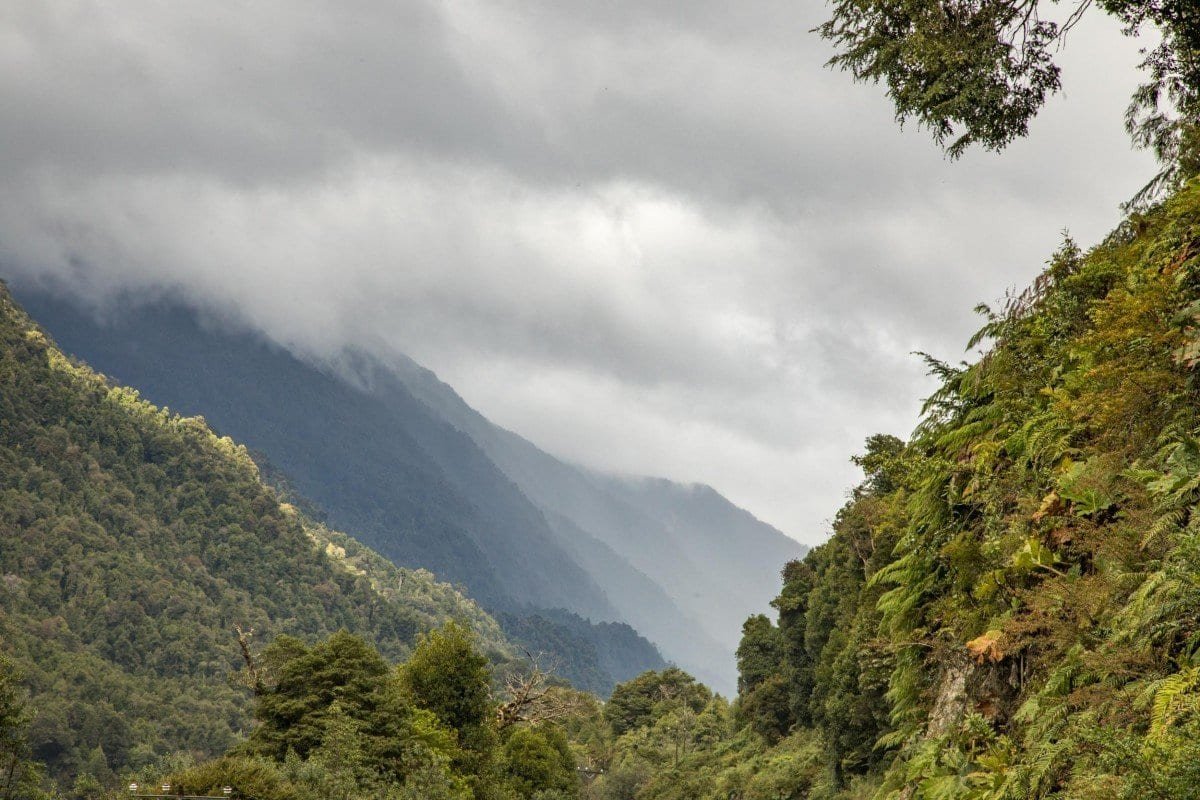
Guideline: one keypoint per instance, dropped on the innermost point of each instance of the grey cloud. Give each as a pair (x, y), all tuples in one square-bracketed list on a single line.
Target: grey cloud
[(653, 236)]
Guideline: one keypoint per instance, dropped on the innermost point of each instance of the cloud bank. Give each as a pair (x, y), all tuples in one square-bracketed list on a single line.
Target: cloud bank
[(652, 237)]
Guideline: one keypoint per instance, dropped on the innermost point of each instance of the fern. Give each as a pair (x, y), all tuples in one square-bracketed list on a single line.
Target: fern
[(1174, 696)]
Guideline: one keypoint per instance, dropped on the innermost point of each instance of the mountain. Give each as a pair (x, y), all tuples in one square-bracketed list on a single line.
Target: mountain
[(716, 561), (395, 456), (598, 651), (373, 461), (133, 542), (591, 656), (405, 483)]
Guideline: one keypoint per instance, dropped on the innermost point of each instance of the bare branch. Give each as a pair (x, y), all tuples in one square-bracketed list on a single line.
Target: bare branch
[(532, 698), (252, 669)]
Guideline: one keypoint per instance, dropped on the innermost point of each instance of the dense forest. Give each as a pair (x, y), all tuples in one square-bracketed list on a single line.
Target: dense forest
[(593, 656), (133, 543)]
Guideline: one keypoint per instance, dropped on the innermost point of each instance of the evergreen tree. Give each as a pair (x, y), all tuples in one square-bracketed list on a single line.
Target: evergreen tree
[(448, 677), (20, 775), (759, 653), (343, 676), (634, 703)]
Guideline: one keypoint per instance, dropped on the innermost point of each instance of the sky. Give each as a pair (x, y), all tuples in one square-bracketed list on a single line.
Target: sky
[(652, 237)]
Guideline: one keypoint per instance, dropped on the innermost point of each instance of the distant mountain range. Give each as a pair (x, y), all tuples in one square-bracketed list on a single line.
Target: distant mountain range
[(715, 561), (396, 458)]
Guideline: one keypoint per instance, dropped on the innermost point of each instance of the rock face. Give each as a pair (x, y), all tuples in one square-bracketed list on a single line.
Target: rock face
[(952, 698)]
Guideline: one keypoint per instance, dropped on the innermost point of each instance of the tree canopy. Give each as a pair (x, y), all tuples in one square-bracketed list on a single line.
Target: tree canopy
[(978, 71)]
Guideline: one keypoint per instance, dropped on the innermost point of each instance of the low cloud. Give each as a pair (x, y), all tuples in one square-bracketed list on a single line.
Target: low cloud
[(651, 237)]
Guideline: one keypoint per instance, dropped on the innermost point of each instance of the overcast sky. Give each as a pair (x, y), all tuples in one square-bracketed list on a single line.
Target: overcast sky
[(655, 237)]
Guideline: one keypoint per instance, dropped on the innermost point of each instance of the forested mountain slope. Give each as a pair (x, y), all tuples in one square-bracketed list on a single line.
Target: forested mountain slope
[(404, 482), (133, 542), (715, 560), (396, 457), (1009, 607)]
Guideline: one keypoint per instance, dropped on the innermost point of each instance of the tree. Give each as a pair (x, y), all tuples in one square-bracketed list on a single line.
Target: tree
[(759, 654), (531, 696), (20, 775), (978, 71), (767, 708), (538, 758), (448, 677), (792, 603), (643, 700), (293, 711), (880, 464), (343, 766)]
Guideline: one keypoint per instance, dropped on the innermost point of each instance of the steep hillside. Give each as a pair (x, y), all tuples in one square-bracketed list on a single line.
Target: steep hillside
[(601, 655), (414, 472), (593, 657), (731, 553), (1008, 607), (405, 483), (134, 541)]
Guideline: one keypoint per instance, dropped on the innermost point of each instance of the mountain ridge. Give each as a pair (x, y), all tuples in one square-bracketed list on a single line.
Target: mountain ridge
[(617, 556), (617, 510)]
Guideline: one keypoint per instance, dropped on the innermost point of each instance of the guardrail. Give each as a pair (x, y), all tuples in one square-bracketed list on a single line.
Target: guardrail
[(135, 790)]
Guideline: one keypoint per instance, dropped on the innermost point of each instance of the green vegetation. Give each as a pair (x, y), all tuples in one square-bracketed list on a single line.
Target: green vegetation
[(592, 656), (365, 455), (133, 543), (336, 720), (20, 775), (1008, 606), (978, 72)]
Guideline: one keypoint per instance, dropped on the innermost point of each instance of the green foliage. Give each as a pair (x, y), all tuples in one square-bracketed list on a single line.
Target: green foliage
[(132, 542), (449, 678), (979, 72), (767, 708), (20, 775), (382, 464), (538, 760), (1008, 606), (644, 699), (592, 656), (342, 674), (336, 722), (980, 67), (1049, 534), (430, 601), (254, 778), (759, 654), (833, 664)]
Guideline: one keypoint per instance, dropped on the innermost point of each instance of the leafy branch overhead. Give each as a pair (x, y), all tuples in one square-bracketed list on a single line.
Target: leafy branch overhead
[(978, 71)]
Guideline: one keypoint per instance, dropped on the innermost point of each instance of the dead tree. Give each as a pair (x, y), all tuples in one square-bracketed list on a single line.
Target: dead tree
[(531, 697), (253, 673)]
